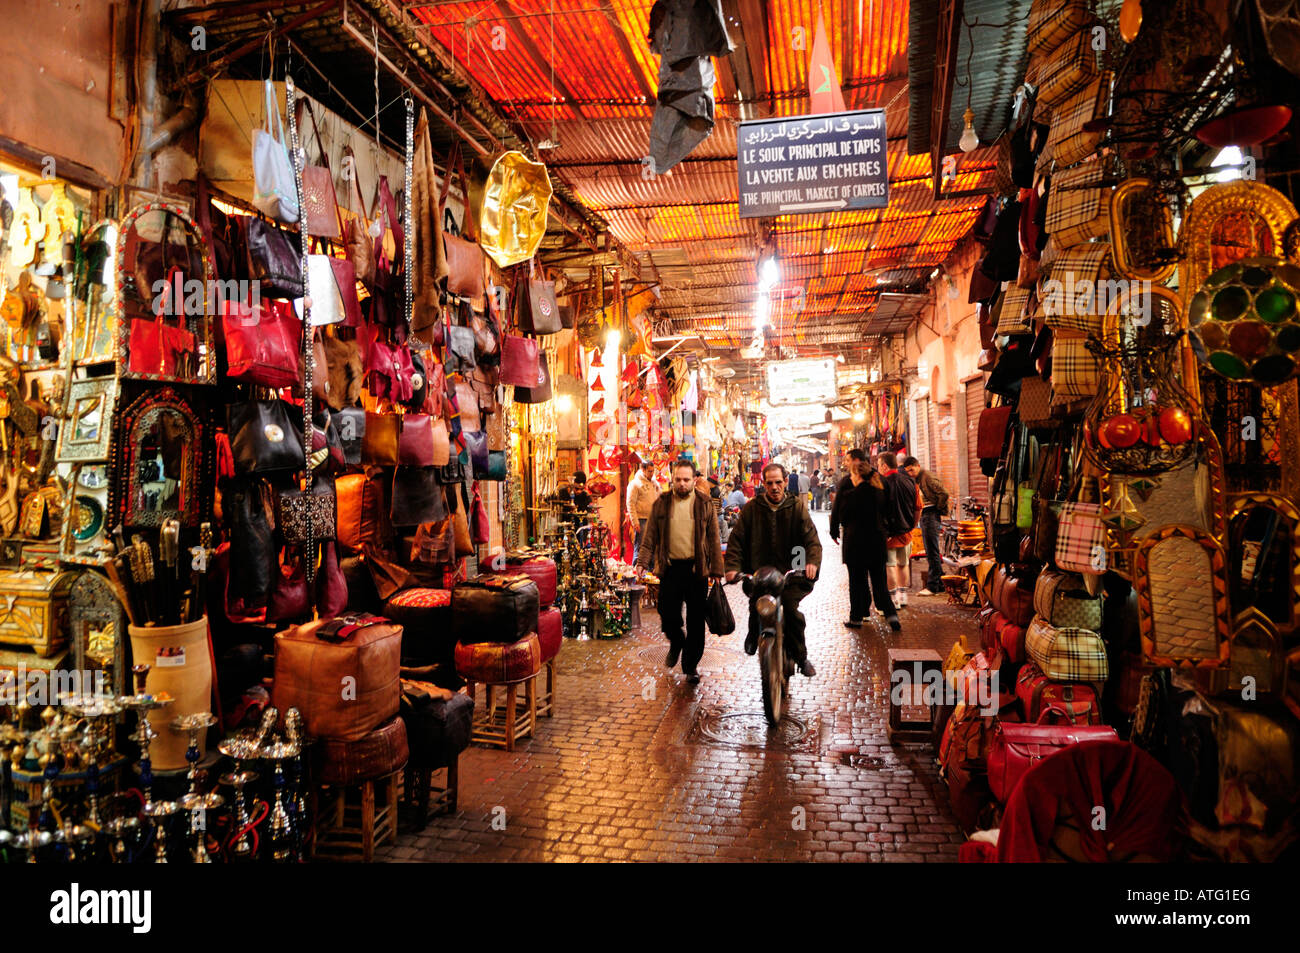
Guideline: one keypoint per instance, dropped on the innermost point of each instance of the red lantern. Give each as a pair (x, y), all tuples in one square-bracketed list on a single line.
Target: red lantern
[(1175, 425), (1120, 431)]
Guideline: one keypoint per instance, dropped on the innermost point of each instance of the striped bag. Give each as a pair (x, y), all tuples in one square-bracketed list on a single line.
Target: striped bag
[(1011, 307), (1052, 21), (1075, 297), (1067, 139), (1071, 67), (1075, 370), (1066, 654), (1080, 538), (1078, 207)]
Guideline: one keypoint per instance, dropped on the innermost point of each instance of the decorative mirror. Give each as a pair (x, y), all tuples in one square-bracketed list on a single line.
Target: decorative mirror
[(1228, 222), (84, 539), (87, 431), (1263, 545), (164, 276), (1142, 232), (92, 329), (1180, 576), (158, 461), (98, 628)]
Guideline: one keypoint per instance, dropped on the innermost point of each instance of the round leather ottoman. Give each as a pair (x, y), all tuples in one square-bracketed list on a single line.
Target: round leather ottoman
[(497, 662), (377, 755), (550, 632), (540, 570), (425, 618)]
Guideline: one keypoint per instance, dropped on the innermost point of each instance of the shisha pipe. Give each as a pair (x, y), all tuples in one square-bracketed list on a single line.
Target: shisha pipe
[(194, 803), (142, 703), (242, 748), (281, 835), (159, 812), (295, 733), (193, 723)]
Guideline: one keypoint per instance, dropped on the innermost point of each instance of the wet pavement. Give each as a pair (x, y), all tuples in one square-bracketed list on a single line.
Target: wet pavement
[(638, 765)]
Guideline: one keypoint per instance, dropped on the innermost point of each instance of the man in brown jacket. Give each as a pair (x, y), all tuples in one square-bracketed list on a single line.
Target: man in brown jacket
[(680, 545)]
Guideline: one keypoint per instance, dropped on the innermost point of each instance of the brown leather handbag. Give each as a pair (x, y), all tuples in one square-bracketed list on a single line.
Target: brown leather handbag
[(465, 259), (467, 403), (519, 361), (379, 444), (319, 200), (415, 441), (536, 311), (357, 243), (359, 510), (435, 543)]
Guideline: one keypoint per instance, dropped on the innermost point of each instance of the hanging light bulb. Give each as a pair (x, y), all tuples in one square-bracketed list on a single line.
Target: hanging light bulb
[(969, 140)]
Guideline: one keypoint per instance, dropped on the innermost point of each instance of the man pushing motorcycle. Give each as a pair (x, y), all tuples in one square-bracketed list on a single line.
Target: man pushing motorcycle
[(774, 530)]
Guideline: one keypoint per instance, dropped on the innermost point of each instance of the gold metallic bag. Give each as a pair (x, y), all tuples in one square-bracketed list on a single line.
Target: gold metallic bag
[(508, 198)]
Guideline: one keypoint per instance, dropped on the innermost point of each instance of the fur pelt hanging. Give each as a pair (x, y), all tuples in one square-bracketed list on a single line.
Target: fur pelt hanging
[(343, 359)]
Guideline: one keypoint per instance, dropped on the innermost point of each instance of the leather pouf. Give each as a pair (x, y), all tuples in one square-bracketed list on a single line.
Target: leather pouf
[(377, 755), (540, 570), (550, 632), (437, 723), (425, 618), (498, 662)]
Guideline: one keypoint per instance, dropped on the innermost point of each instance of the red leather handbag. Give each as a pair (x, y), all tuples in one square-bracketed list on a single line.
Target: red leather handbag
[(263, 343), (480, 531), (1016, 748), (415, 441), (1013, 596), (991, 437), (1044, 701), (520, 365)]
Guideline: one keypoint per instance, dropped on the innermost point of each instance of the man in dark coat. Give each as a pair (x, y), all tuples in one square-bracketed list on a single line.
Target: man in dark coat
[(774, 529), (681, 546), (856, 515)]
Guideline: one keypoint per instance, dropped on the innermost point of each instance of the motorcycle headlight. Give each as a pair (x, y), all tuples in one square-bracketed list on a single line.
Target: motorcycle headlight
[(767, 606)]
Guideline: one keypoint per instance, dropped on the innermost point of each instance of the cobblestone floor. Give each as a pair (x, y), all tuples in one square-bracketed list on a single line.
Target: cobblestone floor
[(630, 767)]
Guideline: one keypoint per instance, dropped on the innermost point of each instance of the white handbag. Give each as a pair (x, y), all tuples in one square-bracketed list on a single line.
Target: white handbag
[(275, 191), (326, 299)]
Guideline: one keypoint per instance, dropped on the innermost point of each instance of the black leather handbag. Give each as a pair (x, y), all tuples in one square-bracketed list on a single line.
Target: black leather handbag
[(452, 473), (273, 260), (249, 510), (494, 608), (417, 497), (350, 425), (265, 435)]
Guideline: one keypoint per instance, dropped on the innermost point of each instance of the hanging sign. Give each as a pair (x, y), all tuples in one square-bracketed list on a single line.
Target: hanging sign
[(806, 164), (795, 383)]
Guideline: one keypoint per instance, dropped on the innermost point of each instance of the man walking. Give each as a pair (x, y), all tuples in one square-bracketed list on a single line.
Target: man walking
[(935, 499), (642, 491), (681, 545), (815, 485), (856, 515), (775, 530), (901, 511)]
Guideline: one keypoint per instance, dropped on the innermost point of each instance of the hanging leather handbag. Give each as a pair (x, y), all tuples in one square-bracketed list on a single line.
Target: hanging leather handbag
[(265, 435), (496, 430), (331, 584), (326, 298), (520, 365), (416, 497), (494, 608), (274, 190), (496, 468), (273, 260), (419, 380), (345, 277), (360, 510), (435, 543), (319, 200), (303, 517), (350, 424), (415, 442), (388, 366), (480, 530), (1035, 405), (249, 511), (484, 382), (358, 244), (453, 472), (263, 343), (487, 337), (441, 442), (993, 430), (289, 600), (460, 528), (465, 259), (467, 404), (459, 350), (1080, 539), (1016, 748), (535, 309), (540, 393), (1012, 595), (379, 441), (476, 444)]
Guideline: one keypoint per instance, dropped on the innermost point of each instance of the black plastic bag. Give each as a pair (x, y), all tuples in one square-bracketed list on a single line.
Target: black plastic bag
[(717, 612)]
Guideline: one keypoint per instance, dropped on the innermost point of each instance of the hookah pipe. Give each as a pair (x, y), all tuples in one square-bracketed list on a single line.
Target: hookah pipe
[(142, 703), (293, 729), (195, 803), (243, 841), (282, 833)]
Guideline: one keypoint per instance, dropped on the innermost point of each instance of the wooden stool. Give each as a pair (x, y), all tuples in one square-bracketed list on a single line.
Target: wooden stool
[(356, 819), (544, 704), (915, 663), (426, 797), (517, 718)]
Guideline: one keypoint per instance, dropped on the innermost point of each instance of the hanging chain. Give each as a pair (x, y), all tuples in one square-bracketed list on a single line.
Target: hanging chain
[(408, 303), (308, 352)]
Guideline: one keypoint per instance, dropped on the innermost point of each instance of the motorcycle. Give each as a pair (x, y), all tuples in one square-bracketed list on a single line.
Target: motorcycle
[(764, 589)]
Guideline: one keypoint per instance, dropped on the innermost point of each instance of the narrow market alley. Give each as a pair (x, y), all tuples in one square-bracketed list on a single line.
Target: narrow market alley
[(638, 765)]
